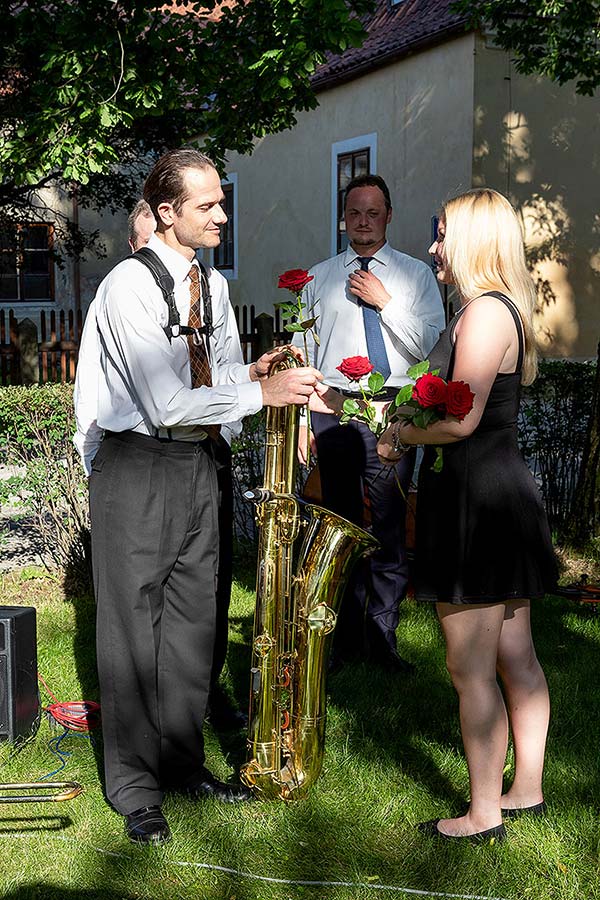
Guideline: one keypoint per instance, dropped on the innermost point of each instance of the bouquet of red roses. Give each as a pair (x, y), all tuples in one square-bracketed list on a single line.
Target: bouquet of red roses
[(428, 399)]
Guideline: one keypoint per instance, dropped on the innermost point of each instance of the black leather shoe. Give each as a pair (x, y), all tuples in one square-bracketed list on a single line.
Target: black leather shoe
[(393, 662), (493, 835), (538, 809), (210, 786), (147, 826)]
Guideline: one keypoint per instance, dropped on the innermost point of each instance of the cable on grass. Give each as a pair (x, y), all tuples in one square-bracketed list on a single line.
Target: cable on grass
[(77, 717), (74, 715), (363, 885)]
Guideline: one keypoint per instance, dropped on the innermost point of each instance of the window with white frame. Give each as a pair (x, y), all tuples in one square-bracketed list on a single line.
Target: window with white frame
[(26, 268), (349, 159), (225, 255)]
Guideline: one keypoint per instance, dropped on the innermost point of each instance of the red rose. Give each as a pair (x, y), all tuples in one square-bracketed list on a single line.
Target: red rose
[(355, 367), (294, 280), (430, 390), (459, 399)]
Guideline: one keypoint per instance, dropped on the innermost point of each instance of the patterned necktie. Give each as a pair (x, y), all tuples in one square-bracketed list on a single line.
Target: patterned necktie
[(373, 333), (199, 363)]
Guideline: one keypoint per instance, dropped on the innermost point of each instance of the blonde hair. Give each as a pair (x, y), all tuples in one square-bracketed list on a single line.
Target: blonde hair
[(484, 250)]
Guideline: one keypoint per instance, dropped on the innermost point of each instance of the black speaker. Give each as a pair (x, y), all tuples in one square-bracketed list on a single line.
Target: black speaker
[(19, 698)]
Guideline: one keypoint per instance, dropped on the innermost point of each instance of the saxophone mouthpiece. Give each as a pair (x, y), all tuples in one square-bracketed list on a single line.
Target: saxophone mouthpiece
[(258, 495)]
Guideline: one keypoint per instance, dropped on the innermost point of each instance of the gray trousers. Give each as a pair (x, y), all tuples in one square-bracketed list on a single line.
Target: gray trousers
[(153, 508)]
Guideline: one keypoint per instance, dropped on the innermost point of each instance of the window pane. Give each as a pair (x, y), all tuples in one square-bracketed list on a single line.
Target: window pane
[(350, 165), (361, 163), (8, 262), (35, 237), (344, 170), (35, 261), (224, 254), (36, 287), (8, 238), (8, 287)]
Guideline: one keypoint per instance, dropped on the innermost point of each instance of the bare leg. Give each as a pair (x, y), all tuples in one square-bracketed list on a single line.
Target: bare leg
[(472, 636), (528, 704)]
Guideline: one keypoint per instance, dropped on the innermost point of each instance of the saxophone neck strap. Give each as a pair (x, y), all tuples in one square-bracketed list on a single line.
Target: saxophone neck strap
[(164, 280)]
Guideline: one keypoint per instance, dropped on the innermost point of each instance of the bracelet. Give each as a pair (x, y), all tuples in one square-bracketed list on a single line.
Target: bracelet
[(397, 445)]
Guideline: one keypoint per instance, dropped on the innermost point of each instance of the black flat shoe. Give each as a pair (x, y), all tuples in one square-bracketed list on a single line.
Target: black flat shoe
[(147, 826), (538, 809), (493, 835), (210, 786)]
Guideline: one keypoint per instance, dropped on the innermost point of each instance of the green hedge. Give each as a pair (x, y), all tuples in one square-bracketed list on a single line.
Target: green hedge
[(37, 425), (24, 411)]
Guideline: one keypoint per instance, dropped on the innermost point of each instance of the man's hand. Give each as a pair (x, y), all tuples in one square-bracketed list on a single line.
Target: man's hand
[(326, 400), (290, 386), (369, 288), (261, 368), (302, 444)]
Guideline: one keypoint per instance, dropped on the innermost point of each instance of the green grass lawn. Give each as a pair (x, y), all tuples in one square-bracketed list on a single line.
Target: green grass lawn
[(393, 758)]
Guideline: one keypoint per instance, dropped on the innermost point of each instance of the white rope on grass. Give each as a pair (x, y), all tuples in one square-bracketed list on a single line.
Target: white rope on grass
[(412, 892)]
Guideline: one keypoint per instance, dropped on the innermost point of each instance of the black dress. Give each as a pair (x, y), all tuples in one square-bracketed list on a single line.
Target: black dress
[(482, 533)]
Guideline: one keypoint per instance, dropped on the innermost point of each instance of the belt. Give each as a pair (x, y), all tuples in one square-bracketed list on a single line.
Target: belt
[(155, 443), (385, 395)]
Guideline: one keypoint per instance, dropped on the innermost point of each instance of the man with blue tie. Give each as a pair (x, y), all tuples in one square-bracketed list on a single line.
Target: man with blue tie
[(370, 300)]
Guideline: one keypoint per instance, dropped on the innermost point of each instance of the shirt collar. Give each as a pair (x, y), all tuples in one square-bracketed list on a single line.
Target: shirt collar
[(175, 261), (382, 256)]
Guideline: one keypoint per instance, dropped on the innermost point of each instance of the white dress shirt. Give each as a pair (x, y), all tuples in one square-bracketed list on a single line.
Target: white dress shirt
[(411, 321), (129, 377)]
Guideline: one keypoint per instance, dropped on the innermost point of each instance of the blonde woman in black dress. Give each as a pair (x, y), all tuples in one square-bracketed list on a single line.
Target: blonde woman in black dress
[(483, 544)]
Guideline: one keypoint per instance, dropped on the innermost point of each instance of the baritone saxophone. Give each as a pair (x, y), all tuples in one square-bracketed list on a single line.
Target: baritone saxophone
[(297, 602)]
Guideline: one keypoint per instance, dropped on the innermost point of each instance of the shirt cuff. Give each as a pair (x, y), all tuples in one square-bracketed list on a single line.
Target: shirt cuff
[(250, 398)]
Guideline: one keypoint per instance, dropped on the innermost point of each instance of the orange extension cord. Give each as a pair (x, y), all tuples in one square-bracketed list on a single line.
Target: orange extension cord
[(76, 715)]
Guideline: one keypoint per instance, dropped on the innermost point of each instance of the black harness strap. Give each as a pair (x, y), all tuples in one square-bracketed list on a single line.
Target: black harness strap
[(165, 282)]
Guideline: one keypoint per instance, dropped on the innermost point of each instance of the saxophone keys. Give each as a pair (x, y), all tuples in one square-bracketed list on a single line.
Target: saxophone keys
[(263, 644), (322, 619)]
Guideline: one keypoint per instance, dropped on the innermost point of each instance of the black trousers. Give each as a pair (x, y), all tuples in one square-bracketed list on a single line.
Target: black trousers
[(350, 471), (153, 509)]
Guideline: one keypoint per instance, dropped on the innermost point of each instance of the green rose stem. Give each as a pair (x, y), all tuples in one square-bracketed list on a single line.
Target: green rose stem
[(295, 312)]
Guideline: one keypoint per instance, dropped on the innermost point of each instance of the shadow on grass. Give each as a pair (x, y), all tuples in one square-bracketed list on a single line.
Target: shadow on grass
[(84, 651), (28, 824)]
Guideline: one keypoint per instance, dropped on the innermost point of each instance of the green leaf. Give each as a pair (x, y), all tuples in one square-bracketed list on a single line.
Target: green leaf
[(439, 460), (418, 369), (403, 395), (430, 415), (376, 382), (351, 407), (292, 326)]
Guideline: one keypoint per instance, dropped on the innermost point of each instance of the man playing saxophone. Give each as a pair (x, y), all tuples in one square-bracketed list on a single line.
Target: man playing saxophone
[(164, 388)]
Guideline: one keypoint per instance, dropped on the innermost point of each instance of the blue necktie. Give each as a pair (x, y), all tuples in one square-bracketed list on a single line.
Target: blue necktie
[(373, 333)]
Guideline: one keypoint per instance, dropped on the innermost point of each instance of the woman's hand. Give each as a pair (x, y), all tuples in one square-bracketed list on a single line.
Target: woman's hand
[(390, 447)]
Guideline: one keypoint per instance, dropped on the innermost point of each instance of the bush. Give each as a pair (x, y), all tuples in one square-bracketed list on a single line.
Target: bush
[(37, 425), (552, 431)]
